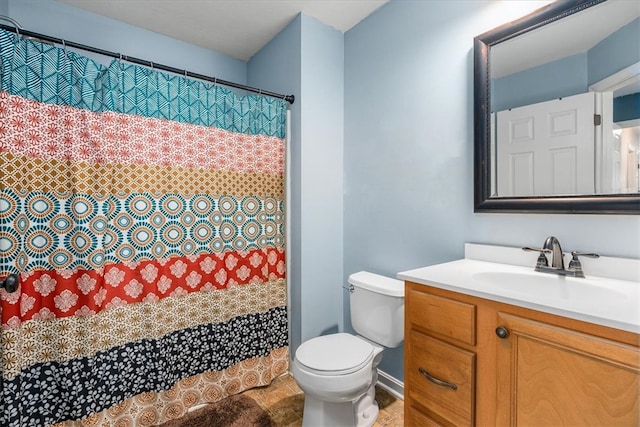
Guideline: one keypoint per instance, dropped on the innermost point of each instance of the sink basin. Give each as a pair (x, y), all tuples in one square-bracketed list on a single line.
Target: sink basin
[(610, 298), (552, 286)]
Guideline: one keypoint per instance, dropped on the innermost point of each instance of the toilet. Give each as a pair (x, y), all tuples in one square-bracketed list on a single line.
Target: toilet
[(338, 372)]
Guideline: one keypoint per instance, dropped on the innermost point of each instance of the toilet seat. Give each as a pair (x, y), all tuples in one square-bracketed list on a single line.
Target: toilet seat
[(335, 354)]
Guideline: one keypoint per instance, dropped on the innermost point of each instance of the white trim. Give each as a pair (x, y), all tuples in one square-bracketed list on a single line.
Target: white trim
[(390, 384), (604, 147), (617, 80)]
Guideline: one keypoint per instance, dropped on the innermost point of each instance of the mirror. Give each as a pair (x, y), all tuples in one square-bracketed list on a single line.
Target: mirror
[(557, 111)]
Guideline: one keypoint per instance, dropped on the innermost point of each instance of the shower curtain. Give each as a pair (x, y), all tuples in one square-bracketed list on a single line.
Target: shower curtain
[(143, 213)]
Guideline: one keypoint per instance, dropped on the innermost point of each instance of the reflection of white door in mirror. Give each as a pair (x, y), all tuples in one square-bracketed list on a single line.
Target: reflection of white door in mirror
[(626, 170), (620, 152), (547, 148)]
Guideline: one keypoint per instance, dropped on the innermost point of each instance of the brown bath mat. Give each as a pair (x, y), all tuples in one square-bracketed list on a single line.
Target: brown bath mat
[(234, 411)]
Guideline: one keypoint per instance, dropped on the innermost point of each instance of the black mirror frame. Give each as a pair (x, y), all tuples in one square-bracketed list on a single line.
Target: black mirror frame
[(587, 204)]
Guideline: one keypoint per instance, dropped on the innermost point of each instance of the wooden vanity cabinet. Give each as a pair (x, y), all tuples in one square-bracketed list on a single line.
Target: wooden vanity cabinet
[(546, 370)]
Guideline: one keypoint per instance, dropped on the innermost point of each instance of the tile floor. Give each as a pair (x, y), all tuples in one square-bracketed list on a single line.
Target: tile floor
[(284, 401)]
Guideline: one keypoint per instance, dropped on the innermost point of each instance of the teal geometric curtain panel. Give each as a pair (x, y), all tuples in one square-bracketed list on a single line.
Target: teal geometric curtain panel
[(53, 75)]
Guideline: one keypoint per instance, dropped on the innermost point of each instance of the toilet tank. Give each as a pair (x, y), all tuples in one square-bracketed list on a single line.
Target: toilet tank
[(377, 308)]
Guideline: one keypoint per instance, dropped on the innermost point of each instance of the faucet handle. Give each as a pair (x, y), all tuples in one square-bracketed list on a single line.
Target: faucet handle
[(528, 249), (576, 254), (542, 259), (575, 264)]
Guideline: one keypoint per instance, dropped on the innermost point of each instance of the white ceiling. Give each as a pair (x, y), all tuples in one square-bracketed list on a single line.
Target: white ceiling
[(237, 28)]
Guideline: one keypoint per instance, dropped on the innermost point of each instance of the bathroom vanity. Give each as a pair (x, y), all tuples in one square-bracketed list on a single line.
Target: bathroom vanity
[(490, 343)]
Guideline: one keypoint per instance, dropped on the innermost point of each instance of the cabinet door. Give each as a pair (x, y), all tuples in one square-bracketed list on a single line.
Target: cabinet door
[(551, 376)]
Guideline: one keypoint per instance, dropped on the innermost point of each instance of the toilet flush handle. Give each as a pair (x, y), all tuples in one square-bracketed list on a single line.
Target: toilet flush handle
[(350, 288)]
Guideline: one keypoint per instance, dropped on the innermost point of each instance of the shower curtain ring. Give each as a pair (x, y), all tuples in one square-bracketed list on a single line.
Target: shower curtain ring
[(14, 22)]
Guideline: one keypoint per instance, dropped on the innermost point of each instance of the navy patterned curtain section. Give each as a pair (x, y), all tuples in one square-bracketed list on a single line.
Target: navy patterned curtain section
[(143, 213)]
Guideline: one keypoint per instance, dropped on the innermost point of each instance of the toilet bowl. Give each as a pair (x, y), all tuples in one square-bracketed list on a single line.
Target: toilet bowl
[(338, 372)]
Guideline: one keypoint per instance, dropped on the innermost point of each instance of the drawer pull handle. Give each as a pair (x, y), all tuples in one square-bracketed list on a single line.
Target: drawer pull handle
[(437, 381)]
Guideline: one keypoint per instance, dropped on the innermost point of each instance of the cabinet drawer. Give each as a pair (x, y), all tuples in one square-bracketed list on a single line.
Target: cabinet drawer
[(442, 316), (417, 418), (444, 362)]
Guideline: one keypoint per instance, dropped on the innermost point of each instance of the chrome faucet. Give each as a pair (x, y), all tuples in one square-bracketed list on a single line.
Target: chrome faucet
[(557, 259), (552, 246)]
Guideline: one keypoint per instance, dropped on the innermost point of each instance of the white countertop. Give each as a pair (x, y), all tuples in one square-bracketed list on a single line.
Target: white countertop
[(604, 301)]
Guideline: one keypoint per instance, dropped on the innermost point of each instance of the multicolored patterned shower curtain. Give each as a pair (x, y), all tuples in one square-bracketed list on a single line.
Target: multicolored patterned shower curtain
[(143, 213)]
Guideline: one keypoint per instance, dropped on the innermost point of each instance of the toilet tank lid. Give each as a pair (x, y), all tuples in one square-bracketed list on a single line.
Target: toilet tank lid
[(376, 283)]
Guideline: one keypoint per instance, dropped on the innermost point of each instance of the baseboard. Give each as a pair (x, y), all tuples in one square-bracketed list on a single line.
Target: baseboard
[(390, 384)]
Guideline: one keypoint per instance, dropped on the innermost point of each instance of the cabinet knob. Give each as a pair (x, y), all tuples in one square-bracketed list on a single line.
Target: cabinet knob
[(502, 332)]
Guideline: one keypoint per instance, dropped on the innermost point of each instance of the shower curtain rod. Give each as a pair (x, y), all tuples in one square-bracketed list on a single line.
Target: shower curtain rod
[(289, 98)]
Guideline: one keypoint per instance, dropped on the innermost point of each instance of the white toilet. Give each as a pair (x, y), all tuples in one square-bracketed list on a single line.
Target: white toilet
[(338, 372)]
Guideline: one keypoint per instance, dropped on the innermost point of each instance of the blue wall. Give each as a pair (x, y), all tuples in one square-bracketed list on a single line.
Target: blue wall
[(277, 66), (626, 107), (409, 148), (321, 163), (618, 51), (307, 59), (406, 184), (564, 77)]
